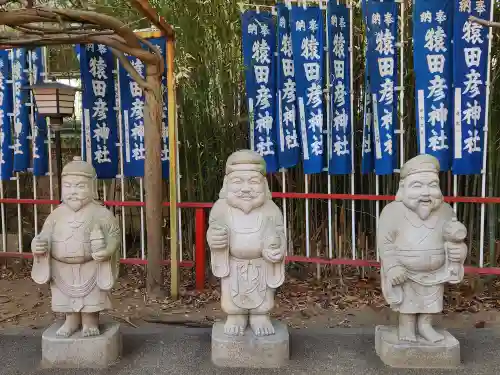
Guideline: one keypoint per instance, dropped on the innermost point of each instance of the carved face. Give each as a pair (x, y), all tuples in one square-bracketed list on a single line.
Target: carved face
[(422, 193), (76, 191), (246, 190)]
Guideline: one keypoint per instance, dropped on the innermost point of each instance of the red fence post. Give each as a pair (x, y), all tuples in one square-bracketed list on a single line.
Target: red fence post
[(200, 255)]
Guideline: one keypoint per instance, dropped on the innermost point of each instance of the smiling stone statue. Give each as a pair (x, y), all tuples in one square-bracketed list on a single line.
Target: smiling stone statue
[(247, 243), (421, 247)]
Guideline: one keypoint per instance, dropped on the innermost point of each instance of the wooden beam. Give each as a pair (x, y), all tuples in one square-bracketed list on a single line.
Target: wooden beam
[(147, 10)]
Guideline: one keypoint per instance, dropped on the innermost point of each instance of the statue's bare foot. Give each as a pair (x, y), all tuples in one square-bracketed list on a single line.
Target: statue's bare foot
[(406, 333), (89, 331), (70, 326), (90, 322), (429, 333), (235, 325), (426, 330), (261, 325), (407, 327)]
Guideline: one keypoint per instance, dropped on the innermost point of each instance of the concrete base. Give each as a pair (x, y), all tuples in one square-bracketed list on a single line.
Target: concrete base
[(249, 350), (421, 354), (81, 352)]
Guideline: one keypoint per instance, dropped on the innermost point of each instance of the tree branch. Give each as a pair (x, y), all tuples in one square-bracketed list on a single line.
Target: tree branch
[(40, 40), (130, 69), (484, 22)]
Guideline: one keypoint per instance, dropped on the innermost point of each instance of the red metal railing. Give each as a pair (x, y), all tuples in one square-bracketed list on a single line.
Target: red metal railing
[(201, 226)]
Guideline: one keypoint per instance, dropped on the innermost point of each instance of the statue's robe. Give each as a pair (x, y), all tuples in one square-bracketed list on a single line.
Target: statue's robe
[(418, 246), (242, 265), (78, 283)]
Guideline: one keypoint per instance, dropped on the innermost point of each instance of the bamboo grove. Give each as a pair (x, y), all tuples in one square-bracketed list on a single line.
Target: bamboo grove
[(213, 122)]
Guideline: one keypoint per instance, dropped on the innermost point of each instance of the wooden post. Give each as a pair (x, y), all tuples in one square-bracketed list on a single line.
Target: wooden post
[(153, 181), (172, 175)]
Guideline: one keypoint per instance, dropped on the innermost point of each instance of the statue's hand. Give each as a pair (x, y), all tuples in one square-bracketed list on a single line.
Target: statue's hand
[(272, 250), (101, 256), (39, 246), (457, 252), (218, 238), (397, 275)]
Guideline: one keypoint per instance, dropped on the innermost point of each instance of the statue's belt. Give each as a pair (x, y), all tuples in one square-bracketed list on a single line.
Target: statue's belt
[(74, 260)]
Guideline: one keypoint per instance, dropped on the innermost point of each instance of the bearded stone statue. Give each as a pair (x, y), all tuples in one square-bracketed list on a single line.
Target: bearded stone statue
[(77, 253), (421, 247), (247, 243)]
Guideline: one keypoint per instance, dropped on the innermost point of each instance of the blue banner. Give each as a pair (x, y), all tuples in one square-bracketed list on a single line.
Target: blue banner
[(161, 43), (21, 110), (6, 155), (381, 56), (470, 45), (367, 164), (432, 35), (340, 93), (288, 140), (307, 43), (99, 115), (132, 103), (367, 148), (39, 128), (259, 45), (132, 108)]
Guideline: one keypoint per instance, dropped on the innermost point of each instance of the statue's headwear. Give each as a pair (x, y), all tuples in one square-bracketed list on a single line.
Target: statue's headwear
[(78, 167), (246, 160), (418, 164)]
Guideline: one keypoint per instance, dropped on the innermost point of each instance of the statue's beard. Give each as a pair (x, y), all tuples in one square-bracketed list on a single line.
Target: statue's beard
[(76, 204), (252, 201), (423, 207)]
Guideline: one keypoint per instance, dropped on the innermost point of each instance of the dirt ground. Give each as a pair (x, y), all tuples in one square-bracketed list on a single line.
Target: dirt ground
[(304, 301)]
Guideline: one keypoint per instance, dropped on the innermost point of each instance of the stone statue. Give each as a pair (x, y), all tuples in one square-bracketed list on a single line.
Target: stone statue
[(247, 243), (421, 247), (77, 252)]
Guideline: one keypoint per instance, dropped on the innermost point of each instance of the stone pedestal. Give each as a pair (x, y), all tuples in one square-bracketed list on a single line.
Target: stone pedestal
[(420, 354), (81, 352), (250, 350)]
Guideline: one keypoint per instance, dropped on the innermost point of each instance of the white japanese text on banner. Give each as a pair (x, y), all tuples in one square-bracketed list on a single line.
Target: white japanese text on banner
[(307, 29), (432, 35), (259, 45), (470, 42)]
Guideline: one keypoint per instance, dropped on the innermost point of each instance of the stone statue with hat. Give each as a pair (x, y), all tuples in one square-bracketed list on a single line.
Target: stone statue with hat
[(77, 253), (421, 247), (247, 244)]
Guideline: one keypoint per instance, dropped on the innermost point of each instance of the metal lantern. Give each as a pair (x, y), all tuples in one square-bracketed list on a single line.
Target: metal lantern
[(54, 100)]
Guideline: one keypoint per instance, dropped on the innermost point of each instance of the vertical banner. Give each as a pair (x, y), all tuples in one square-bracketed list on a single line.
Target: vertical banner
[(259, 45), (367, 148), (132, 103), (6, 155), (340, 93), (132, 108), (288, 140), (161, 44), (21, 110), (382, 20), (367, 164), (99, 115), (39, 128), (307, 42), (432, 33), (470, 64)]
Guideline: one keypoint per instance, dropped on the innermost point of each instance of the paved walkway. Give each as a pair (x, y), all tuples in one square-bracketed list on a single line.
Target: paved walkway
[(184, 351)]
